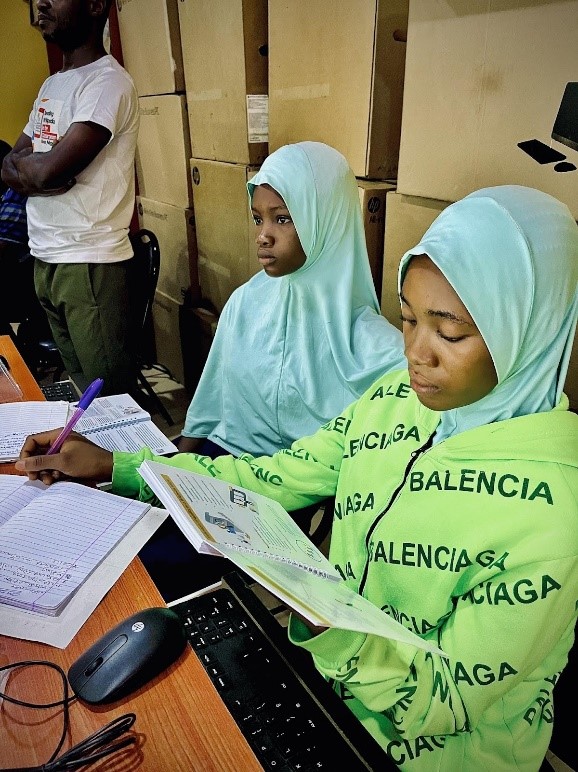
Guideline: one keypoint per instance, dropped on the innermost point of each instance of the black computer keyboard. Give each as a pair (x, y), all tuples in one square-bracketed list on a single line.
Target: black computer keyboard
[(290, 716), (61, 390)]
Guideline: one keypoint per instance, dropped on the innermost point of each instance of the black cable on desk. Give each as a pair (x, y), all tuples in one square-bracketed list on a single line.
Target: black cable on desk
[(94, 747)]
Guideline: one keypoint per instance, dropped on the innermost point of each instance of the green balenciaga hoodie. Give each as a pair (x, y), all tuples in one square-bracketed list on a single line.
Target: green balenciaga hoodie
[(471, 542)]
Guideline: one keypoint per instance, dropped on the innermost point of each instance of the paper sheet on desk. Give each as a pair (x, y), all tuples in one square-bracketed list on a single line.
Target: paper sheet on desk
[(59, 631), (29, 418)]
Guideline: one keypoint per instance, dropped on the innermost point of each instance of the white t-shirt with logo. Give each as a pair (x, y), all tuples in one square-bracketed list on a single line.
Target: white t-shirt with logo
[(89, 223)]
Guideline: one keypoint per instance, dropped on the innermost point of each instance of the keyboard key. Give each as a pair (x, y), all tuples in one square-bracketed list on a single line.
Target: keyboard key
[(61, 390)]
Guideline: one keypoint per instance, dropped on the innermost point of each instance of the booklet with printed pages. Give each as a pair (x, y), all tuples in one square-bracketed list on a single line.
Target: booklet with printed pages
[(262, 539)]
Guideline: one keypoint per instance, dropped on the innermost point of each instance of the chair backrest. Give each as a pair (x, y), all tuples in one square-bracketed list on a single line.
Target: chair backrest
[(146, 265)]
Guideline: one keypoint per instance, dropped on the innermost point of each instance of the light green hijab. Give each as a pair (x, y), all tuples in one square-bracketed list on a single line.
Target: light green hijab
[(291, 352), (511, 254)]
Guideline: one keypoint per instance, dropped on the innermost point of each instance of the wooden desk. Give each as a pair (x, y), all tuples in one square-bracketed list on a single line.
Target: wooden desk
[(182, 724), (23, 377), (18, 369)]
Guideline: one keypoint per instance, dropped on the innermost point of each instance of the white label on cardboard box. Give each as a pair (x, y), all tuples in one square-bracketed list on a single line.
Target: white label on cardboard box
[(258, 117)]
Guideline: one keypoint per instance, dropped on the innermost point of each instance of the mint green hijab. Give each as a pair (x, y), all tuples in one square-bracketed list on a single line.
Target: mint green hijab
[(511, 254), (292, 352)]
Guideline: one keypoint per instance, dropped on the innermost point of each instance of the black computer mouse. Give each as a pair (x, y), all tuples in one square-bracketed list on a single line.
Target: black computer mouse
[(128, 656), (564, 166)]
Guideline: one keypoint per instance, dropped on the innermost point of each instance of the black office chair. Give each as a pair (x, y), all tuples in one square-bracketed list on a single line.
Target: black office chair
[(563, 742), (33, 336), (146, 266), (48, 359)]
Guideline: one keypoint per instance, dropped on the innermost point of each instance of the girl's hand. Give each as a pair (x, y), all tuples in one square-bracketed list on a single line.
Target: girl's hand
[(78, 458)]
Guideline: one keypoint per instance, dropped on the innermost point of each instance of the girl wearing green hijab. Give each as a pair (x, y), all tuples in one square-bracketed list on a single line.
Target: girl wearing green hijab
[(294, 345), (455, 493), (304, 337)]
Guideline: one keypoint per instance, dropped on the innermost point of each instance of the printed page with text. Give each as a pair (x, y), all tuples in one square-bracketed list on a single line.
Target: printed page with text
[(260, 537)]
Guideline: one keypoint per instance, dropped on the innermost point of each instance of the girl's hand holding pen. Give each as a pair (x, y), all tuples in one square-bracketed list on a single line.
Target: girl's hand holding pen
[(77, 458), (49, 456)]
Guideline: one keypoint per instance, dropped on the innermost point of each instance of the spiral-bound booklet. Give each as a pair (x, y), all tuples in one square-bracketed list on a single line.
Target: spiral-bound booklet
[(119, 423), (259, 536)]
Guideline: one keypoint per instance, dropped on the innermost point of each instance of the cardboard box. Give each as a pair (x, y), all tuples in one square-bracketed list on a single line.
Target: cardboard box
[(151, 45), (224, 45), (166, 315), (225, 228), (163, 150), (174, 228), (478, 81), (407, 219), (336, 74), (372, 197)]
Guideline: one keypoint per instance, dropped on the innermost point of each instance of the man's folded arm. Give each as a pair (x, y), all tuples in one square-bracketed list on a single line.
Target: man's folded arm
[(53, 172)]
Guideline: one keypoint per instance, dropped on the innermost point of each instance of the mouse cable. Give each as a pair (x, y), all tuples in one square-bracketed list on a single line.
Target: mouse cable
[(94, 747)]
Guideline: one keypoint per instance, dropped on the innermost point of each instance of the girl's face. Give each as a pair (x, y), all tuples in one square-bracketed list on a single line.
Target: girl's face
[(449, 363), (278, 247)]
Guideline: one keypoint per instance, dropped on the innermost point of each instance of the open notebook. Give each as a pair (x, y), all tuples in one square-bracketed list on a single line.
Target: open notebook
[(52, 539), (115, 423)]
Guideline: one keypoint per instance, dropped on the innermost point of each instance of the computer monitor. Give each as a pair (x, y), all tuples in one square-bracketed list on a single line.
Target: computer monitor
[(566, 124)]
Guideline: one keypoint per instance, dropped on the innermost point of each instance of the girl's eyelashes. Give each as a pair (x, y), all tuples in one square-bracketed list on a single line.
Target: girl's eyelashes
[(452, 339), (281, 219), (448, 338)]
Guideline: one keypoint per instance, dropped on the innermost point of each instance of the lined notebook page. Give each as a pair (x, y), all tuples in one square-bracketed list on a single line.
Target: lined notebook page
[(55, 539), (19, 419), (15, 493)]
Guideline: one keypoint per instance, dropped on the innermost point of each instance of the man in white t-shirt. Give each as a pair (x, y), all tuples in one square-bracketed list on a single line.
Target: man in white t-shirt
[(75, 162)]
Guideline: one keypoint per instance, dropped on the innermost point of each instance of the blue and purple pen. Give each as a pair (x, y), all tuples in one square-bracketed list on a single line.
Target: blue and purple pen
[(92, 391)]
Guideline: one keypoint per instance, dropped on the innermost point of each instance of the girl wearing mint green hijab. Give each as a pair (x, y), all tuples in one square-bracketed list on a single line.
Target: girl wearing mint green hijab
[(519, 253), (455, 493), (294, 345), (304, 337)]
